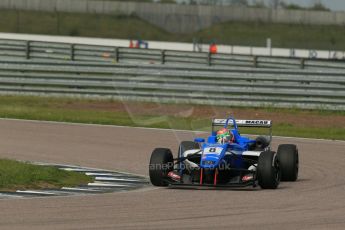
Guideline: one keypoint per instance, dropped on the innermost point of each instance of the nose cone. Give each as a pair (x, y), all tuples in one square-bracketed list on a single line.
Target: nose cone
[(210, 161), (212, 155)]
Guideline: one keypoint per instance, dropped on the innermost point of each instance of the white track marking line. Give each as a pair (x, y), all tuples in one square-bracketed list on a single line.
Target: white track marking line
[(35, 192), (2, 195), (103, 184), (97, 125), (77, 169), (58, 192), (115, 179), (81, 189), (103, 174), (146, 128), (97, 170)]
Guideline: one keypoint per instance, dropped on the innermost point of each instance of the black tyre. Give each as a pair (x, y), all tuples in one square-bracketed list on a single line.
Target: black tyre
[(288, 161), (187, 145), (268, 171), (161, 163)]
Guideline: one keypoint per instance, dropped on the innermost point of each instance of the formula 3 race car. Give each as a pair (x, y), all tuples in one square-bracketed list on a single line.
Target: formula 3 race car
[(238, 162)]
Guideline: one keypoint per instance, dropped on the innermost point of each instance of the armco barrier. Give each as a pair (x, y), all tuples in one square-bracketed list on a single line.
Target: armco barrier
[(226, 86), (35, 50)]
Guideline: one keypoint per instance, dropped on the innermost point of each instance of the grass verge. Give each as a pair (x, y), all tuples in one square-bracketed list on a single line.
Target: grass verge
[(326, 37), (287, 122), (16, 175)]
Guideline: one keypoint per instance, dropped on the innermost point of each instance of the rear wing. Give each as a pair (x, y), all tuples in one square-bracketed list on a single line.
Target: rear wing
[(244, 123)]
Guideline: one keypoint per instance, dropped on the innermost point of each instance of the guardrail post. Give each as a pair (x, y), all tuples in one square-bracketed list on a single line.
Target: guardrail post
[(302, 63), (72, 52), (209, 58), (27, 50), (163, 57), (116, 54), (255, 61)]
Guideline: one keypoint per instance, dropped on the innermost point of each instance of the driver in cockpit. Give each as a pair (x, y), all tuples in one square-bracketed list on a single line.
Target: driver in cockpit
[(224, 135)]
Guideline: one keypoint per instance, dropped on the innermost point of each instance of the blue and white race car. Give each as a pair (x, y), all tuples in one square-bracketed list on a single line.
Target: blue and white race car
[(226, 159)]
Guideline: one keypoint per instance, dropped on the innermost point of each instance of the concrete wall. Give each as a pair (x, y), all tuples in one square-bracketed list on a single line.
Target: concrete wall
[(179, 18)]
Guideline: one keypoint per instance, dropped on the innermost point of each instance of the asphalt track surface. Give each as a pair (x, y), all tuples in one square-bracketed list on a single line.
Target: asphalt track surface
[(315, 201)]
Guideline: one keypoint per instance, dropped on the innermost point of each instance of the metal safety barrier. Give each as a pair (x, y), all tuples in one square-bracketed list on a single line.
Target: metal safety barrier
[(36, 50), (225, 86)]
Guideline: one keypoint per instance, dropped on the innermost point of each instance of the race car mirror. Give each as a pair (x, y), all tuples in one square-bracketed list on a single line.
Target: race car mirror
[(199, 140)]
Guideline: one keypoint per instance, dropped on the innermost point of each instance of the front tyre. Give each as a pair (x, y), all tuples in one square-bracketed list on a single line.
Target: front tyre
[(268, 171), (161, 163), (288, 161)]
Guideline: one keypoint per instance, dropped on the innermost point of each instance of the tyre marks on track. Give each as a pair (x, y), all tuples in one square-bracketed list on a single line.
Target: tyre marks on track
[(105, 181)]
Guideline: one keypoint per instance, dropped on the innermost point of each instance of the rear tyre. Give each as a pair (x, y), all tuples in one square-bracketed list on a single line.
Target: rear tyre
[(268, 171), (288, 161), (261, 142), (161, 163)]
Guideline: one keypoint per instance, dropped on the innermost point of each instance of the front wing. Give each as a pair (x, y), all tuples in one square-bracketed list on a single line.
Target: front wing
[(239, 182)]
